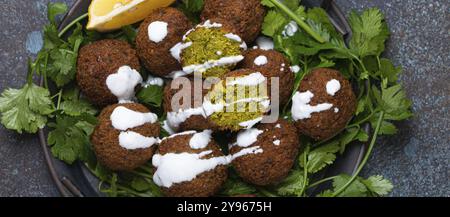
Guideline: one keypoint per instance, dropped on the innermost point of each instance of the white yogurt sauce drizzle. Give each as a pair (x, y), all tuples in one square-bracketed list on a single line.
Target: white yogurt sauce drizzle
[(278, 126), (229, 60), (131, 140), (250, 123), (123, 118), (295, 69), (260, 60), (123, 83), (157, 31), (247, 137), (200, 140), (184, 167), (301, 109), (175, 51), (153, 81), (174, 119), (264, 43), (252, 79), (176, 168), (277, 142), (333, 86), (290, 29)]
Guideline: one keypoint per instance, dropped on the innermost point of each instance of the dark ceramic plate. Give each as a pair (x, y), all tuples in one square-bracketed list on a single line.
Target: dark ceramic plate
[(76, 180)]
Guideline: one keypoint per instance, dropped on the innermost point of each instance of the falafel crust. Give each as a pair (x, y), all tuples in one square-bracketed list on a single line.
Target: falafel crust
[(105, 141), (246, 16), (156, 57), (98, 60), (274, 163), (204, 185), (277, 66), (326, 124)]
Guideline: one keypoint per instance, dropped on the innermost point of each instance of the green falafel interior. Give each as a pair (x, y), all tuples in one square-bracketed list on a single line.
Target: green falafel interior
[(305, 36)]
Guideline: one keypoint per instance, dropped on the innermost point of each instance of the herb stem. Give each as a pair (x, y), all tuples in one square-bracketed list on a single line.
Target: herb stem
[(266, 192), (305, 170), (366, 157), (321, 181), (141, 174), (65, 29), (299, 21), (59, 99)]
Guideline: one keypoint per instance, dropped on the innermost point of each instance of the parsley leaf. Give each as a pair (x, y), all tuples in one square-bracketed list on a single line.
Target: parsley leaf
[(373, 186), (151, 95), (292, 185), (369, 32), (69, 139), (25, 109)]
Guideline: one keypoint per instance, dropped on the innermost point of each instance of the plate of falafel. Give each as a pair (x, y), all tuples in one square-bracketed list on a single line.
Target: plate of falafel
[(219, 98)]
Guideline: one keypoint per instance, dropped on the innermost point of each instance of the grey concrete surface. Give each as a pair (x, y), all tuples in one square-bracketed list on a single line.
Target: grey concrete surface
[(417, 160)]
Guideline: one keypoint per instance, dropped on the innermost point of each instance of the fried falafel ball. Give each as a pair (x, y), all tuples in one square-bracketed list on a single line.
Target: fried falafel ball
[(279, 143), (154, 48), (272, 64), (211, 49), (181, 115), (238, 101), (114, 147), (98, 60), (323, 104), (246, 16), (190, 164)]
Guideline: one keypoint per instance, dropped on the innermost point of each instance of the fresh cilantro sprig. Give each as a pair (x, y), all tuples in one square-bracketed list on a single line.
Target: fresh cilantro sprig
[(381, 99)]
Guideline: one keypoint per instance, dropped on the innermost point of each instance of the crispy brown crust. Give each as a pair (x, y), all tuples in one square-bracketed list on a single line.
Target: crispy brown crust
[(205, 184), (105, 141), (246, 16), (156, 57), (326, 124), (274, 163), (195, 122), (272, 69), (96, 62)]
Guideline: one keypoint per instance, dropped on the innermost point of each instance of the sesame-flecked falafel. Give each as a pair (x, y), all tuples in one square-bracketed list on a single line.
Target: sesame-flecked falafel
[(246, 16), (238, 101), (98, 60), (201, 182), (188, 116), (279, 143), (271, 64), (157, 57), (323, 104), (107, 145)]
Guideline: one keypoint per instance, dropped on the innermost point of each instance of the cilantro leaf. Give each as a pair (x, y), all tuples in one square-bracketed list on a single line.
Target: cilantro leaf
[(69, 139), (378, 185), (360, 187), (292, 185), (369, 32), (320, 157), (151, 95), (25, 109), (55, 9)]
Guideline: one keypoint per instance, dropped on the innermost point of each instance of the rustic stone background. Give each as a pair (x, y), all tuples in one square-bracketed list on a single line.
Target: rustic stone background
[(417, 160)]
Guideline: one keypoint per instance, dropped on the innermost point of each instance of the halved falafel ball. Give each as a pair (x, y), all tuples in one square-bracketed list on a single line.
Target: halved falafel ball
[(186, 148), (155, 52), (238, 101), (279, 143), (212, 48), (98, 60), (246, 16), (272, 64), (324, 104), (108, 148), (181, 115)]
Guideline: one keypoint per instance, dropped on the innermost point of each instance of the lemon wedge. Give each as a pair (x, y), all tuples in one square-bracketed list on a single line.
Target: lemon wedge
[(107, 15)]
